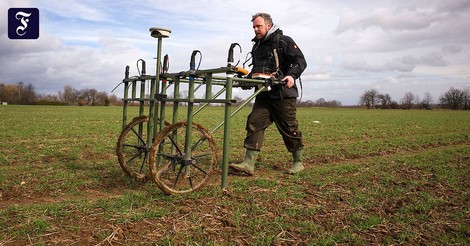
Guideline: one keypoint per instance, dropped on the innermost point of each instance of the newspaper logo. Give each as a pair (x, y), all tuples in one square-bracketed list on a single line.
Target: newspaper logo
[(23, 23)]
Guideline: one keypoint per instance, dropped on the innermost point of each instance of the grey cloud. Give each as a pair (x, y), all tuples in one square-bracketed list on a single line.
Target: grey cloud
[(455, 6), (398, 20), (451, 49), (28, 47), (413, 16), (402, 64), (433, 59)]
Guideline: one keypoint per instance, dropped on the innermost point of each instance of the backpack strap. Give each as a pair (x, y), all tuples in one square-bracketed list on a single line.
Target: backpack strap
[(277, 37), (276, 59)]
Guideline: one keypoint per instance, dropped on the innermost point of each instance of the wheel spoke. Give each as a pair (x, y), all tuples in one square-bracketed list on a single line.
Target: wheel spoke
[(175, 144), (133, 157), (191, 182), (178, 176), (200, 169), (139, 137), (131, 146), (143, 161), (200, 141), (139, 147), (175, 175)]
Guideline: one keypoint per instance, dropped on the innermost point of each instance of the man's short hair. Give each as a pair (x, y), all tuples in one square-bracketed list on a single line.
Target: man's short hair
[(267, 18)]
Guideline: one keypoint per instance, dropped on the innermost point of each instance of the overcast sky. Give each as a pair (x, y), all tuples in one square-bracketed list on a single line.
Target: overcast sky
[(351, 46)]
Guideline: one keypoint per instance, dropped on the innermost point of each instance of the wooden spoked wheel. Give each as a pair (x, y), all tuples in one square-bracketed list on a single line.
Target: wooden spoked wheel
[(132, 148), (171, 168)]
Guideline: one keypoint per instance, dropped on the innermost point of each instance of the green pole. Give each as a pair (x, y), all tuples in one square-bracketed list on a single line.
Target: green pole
[(206, 104), (161, 91), (228, 97), (126, 96), (159, 34), (189, 115), (150, 129), (157, 78), (176, 95), (247, 101), (141, 97), (209, 86)]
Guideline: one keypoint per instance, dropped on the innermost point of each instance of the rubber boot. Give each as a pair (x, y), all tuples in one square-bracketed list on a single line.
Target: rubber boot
[(297, 162), (248, 165)]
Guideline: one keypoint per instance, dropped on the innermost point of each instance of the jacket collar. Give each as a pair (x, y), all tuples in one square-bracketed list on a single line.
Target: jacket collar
[(270, 33)]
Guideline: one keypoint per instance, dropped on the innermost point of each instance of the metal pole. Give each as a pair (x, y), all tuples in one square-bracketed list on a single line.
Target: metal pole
[(141, 103), (157, 78), (176, 95), (226, 154), (205, 104), (209, 86), (159, 34), (239, 108), (150, 129), (126, 96), (189, 117), (142, 90)]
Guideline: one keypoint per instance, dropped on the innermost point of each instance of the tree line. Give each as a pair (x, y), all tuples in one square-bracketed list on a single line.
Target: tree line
[(452, 99), (21, 93)]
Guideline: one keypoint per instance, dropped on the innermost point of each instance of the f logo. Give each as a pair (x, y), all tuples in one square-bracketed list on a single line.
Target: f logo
[(23, 23)]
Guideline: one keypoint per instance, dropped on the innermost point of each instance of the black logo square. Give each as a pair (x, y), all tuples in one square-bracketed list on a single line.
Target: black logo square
[(23, 23)]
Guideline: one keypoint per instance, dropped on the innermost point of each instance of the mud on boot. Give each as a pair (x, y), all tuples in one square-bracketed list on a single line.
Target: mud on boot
[(248, 165), (297, 165)]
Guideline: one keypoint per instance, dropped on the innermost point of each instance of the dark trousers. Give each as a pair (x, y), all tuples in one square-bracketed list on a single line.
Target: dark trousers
[(280, 111)]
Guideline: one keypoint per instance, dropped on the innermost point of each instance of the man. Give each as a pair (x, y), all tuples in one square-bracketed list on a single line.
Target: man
[(276, 54)]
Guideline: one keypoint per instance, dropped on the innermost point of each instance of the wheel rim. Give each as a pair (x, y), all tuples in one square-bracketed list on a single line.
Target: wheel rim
[(169, 168), (132, 149)]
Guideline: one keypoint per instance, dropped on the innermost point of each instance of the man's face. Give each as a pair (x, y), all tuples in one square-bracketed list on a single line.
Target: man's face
[(260, 27)]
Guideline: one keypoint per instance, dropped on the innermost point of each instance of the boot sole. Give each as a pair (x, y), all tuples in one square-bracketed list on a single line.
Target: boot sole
[(240, 169), (292, 172)]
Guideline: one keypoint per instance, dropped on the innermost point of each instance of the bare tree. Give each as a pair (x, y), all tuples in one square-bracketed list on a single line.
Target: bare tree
[(407, 100), (369, 98), (88, 96), (50, 97), (70, 95), (427, 101), (17, 93), (452, 99), (417, 101), (2, 93), (28, 94), (385, 100), (320, 102), (102, 99), (466, 99), (113, 100)]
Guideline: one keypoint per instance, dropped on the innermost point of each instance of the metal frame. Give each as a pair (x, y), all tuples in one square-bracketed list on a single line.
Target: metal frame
[(225, 77)]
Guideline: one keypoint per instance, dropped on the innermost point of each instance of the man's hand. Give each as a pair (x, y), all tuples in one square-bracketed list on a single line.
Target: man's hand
[(289, 81)]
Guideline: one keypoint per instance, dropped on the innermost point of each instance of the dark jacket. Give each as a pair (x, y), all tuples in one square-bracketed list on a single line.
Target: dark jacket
[(291, 62)]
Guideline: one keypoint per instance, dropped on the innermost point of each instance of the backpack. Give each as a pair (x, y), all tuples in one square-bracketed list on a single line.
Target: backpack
[(276, 40)]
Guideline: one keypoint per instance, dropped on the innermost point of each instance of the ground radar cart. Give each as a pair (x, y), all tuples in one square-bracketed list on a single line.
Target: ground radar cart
[(179, 156)]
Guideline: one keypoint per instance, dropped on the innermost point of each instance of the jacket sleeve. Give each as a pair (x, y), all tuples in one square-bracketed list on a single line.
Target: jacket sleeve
[(295, 58)]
